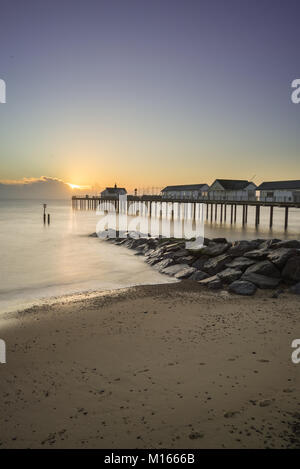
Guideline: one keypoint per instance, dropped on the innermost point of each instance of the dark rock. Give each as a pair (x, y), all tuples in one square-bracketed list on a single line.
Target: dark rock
[(185, 260), (180, 253), (258, 254), (199, 263), (261, 281), (241, 263), (291, 270), (291, 243), (215, 249), (185, 273), (295, 289), (174, 269), (163, 264), (269, 243), (216, 264), (198, 275), (230, 275), (219, 240), (154, 260), (263, 268), (212, 282), (281, 255), (242, 287), (239, 248)]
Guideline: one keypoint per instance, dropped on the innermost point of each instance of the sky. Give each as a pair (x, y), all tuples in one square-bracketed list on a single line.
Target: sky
[(149, 93)]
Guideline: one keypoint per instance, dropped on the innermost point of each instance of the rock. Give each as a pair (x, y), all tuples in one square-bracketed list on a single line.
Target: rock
[(215, 249), (295, 289), (269, 243), (264, 268), (154, 260), (174, 269), (291, 270), (180, 253), (230, 275), (258, 254), (163, 264), (185, 273), (281, 255), (239, 248), (242, 287), (199, 275), (216, 264), (212, 282), (185, 260), (241, 263), (261, 281), (199, 263), (219, 240), (291, 243)]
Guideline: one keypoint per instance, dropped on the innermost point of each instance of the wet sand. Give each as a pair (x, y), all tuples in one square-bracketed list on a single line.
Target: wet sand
[(165, 366)]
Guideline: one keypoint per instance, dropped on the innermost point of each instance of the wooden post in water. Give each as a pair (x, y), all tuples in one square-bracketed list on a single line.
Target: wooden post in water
[(286, 218), (271, 216), (44, 207), (48, 218), (231, 214)]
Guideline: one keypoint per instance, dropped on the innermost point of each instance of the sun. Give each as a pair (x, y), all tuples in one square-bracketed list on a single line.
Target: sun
[(76, 186)]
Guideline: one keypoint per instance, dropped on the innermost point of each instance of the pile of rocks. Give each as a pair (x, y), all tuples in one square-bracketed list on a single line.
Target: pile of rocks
[(241, 266)]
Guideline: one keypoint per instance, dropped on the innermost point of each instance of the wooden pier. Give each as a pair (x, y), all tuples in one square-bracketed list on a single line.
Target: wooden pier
[(214, 208)]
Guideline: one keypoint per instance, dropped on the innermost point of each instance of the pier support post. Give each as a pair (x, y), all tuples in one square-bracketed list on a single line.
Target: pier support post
[(257, 215), (271, 216)]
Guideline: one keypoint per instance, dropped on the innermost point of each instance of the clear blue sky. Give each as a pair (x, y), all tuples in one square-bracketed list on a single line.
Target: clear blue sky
[(149, 92)]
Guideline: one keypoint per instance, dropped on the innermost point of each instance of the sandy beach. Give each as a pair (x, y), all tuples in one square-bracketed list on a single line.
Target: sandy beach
[(164, 366)]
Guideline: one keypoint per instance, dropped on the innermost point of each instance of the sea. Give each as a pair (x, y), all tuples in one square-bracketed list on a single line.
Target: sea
[(45, 263)]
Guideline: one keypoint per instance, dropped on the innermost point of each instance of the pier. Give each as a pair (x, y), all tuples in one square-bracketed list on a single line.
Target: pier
[(214, 209)]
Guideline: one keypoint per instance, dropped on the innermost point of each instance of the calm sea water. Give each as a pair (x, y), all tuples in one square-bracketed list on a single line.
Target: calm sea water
[(41, 262)]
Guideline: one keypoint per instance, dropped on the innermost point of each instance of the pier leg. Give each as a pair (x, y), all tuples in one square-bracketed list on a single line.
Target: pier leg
[(225, 212), (216, 211), (231, 214), (235, 213), (221, 214), (206, 211)]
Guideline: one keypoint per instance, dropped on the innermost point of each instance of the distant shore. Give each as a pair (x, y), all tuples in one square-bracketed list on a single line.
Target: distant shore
[(174, 366)]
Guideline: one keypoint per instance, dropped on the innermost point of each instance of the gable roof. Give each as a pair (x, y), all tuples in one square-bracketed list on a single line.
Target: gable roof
[(234, 184), (114, 190), (187, 187), (277, 185)]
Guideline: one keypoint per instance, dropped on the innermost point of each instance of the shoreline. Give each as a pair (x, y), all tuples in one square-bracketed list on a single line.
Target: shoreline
[(168, 365)]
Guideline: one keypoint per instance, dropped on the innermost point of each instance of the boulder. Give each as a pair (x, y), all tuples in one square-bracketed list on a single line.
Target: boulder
[(258, 254), (242, 287), (241, 263), (199, 263), (295, 289), (230, 275), (269, 243), (199, 275), (216, 264), (261, 281), (185, 260), (239, 248), (174, 269), (163, 264), (154, 260), (291, 270), (280, 256), (219, 240), (215, 249), (291, 243), (212, 282), (180, 253), (185, 273), (264, 268)]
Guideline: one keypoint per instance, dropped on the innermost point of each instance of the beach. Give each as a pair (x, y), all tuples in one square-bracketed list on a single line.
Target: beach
[(155, 366)]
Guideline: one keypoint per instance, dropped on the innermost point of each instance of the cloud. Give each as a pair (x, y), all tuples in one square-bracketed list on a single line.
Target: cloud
[(35, 188)]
